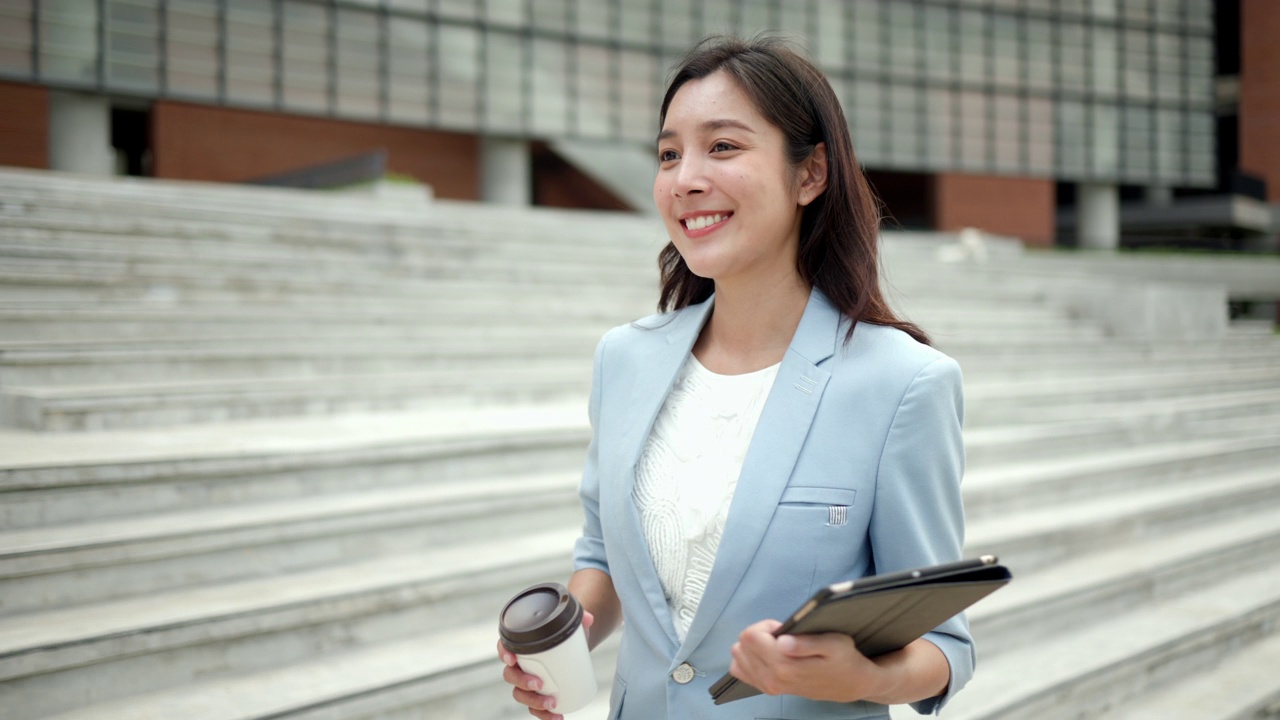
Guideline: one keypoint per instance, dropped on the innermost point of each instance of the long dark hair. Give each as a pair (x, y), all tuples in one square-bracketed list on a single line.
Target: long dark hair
[(839, 251)]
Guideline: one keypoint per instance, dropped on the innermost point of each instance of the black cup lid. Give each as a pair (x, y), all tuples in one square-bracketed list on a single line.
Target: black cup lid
[(539, 618)]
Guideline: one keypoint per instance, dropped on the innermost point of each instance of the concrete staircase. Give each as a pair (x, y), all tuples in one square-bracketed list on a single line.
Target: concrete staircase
[(269, 454)]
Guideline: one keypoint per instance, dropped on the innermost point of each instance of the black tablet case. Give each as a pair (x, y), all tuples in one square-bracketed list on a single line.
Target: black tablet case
[(883, 613)]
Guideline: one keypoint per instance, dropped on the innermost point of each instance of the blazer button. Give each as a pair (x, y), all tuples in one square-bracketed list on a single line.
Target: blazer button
[(683, 674)]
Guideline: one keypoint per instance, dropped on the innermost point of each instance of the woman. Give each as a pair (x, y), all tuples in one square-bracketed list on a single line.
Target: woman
[(777, 430)]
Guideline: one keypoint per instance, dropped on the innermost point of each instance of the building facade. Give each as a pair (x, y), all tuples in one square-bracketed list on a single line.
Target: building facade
[(966, 112)]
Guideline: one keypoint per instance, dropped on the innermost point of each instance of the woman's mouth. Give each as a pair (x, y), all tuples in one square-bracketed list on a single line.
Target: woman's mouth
[(703, 224)]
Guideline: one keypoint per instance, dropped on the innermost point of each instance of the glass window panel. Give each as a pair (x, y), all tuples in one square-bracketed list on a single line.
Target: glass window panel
[(133, 46), (639, 95), (718, 16), (69, 40), (408, 63), (467, 9), (1136, 134), (505, 12), (358, 62), (1071, 53), (1074, 7), (939, 147), (306, 56), (1039, 54), (1071, 145), (1166, 11), (795, 19), (864, 113), (1168, 144), (903, 147), (418, 7), (504, 82), (594, 85), (1137, 64), (637, 22), (550, 15), (938, 43), (974, 131), (191, 37), (1168, 86), (1199, 14), (1105, 9), (1008, 132), (973, 46), (250, 53), (1103, 58), (1040, 135), (1136, 11), (459, 77), (549, 102), (679, 24), (593, 19), (1105, 141), (757, 16), (829, 46), (866, 33), (1007, 49), (15, 37), (904, 40)]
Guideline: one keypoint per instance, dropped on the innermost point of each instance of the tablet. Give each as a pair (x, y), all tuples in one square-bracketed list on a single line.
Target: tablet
[(882, 613)]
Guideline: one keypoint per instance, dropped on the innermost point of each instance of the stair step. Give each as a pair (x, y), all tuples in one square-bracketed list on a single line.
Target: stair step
[(1027, 486), (66, 478), (1034, 538), (60, 565), (379, 677), (1119, 657), (1083, 587), (60, 659), (79, 408), (1243, 686)]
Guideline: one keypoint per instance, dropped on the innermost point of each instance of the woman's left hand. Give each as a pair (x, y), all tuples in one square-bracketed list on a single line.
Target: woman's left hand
[(819, 667)]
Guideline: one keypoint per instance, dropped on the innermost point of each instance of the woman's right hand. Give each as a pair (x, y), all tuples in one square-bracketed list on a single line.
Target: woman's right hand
[(527, 686)]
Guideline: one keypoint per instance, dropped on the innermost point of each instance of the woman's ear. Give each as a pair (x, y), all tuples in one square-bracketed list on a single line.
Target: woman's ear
[(813, 175)]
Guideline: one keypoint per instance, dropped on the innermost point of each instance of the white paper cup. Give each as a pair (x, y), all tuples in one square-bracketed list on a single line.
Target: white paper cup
[(542, 626)]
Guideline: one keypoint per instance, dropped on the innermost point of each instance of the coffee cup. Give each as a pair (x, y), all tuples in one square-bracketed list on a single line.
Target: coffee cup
[(542, 627)]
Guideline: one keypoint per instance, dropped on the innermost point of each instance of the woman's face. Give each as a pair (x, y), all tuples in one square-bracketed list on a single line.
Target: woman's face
[(730, 200)]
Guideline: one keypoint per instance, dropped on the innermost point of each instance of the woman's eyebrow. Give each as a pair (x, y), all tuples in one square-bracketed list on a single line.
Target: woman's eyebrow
[(711, 125)]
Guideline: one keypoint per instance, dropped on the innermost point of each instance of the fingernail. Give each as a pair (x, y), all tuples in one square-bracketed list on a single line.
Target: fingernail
[(535, 685), (549, 703)]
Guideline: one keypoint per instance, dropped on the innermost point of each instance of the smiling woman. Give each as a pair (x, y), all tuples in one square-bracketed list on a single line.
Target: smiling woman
[(774, 430)]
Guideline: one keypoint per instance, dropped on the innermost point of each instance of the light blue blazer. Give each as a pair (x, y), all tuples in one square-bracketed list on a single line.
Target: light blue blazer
[(873, 425)]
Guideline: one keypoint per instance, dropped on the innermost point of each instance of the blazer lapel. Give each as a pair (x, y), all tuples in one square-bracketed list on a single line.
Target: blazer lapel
[(659, 362), (775, 446)]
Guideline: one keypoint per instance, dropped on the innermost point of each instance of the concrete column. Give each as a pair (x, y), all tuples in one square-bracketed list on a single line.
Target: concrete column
[(506, 171), (1098, 215), (80, 133)]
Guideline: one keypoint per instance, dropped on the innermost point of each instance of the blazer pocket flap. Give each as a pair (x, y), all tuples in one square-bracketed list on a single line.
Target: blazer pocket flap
[(810, 495)]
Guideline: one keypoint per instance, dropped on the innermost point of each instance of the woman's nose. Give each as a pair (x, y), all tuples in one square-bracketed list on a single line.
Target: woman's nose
[(691, 177)]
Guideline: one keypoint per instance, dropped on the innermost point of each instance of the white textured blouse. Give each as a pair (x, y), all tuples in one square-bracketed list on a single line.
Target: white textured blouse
[(687, 474)]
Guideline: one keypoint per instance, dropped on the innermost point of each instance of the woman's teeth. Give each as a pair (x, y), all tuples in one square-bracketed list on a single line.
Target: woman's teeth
[(703, 221)]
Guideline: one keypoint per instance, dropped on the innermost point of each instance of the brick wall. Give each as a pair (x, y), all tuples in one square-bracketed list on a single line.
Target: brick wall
[(1260, 92), (24, 125), (200, 142), (1021, 207)]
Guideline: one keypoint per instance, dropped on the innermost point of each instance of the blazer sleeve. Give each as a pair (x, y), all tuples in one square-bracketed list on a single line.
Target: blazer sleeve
[(918, 517), (588, 551)]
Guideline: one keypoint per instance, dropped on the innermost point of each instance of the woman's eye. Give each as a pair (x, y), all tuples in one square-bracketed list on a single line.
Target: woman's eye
[(667, 155), (722, 147)]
